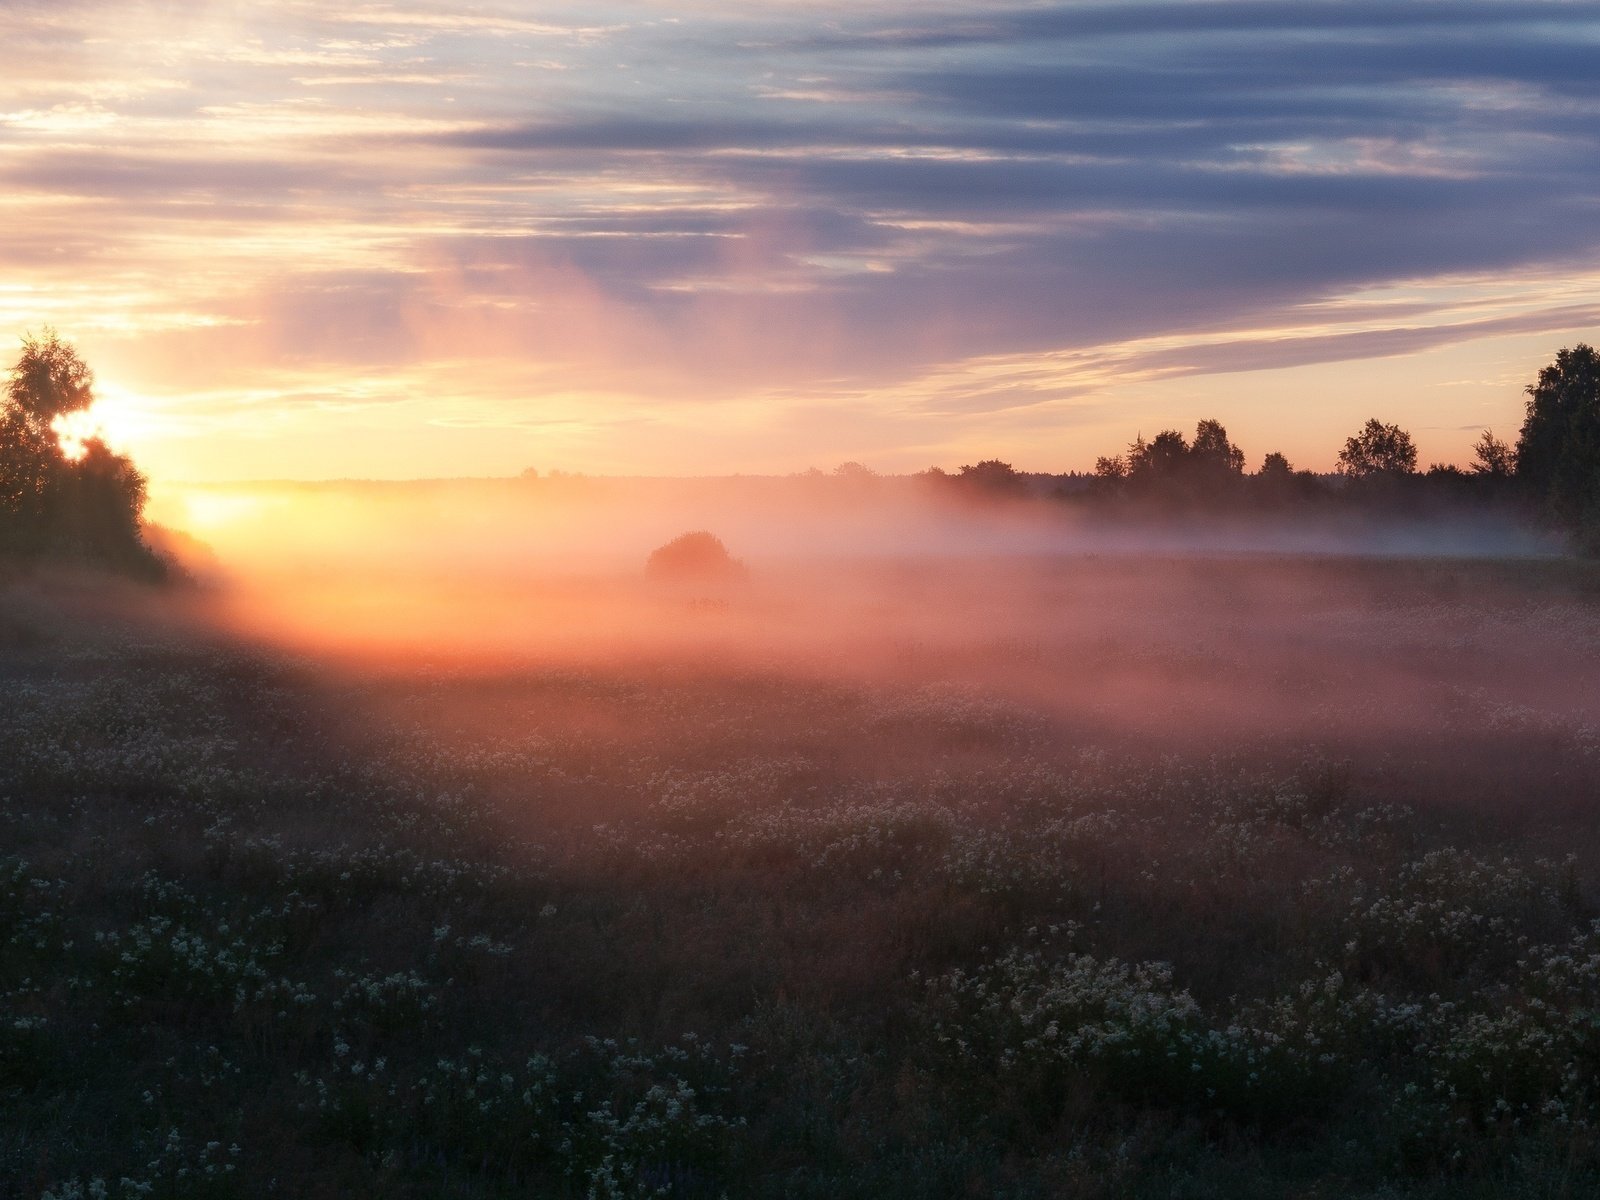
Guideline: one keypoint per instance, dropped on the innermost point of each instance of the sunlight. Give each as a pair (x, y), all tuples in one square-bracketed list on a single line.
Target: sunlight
[(74, 431), (799, 598), (118, 417), (210, 511)]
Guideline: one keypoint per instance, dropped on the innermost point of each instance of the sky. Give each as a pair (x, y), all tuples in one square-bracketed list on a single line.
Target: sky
[(420, 239)]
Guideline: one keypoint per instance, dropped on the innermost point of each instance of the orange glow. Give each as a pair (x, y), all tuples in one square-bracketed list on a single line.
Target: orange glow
[(74, 431), (210, 513), (554, 569), (374, 248), (116, 418)]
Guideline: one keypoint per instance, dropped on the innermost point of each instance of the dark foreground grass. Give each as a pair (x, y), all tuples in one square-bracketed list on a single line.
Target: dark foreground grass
[(669, 929)]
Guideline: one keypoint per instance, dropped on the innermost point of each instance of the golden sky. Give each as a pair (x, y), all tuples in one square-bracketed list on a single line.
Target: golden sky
[(306, 240)]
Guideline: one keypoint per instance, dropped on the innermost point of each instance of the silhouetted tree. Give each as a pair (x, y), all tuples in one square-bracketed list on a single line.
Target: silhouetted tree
[(1492, 458), (1160, 460), (48, 382), (992, 477), (935, 481), (1112, 470), (1378, 450), (1277, 484), (855, 471), (1212, 454), (1169, 468), (1275, 467), (1558, 452), (855, 481), (103, 495), (86, 508)]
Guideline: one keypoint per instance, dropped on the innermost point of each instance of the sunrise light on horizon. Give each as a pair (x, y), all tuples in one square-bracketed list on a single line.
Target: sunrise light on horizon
[(412, 239)]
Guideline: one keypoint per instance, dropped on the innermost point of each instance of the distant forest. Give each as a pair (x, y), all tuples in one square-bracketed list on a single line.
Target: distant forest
[(86, 506), (1550, 476)]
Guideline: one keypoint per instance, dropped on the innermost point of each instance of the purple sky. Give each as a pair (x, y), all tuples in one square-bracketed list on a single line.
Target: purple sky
[(307, 239)]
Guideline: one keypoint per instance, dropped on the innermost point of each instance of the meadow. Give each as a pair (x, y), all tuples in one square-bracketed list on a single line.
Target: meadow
[(1092, 875)]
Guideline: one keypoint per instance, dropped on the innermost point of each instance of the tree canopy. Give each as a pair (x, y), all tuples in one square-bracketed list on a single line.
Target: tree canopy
[(1378, 450), (84, 507), (1492, 457), (1276, 466), (695, 557), (1212, 453), (1558, 452), (1169, 465), (992, 476), (49, 380)]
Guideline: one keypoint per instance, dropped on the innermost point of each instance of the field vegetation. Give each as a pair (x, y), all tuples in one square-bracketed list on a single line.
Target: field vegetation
[(1087, 876), (956, 838)]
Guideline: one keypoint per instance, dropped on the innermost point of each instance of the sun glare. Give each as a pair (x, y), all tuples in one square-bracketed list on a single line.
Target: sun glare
[(121, 417), (118, 417), (74, 431), (210, 511)]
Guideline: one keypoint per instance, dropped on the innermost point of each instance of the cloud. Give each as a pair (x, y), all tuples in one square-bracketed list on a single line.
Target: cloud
[(842, 202), (1252, 18)]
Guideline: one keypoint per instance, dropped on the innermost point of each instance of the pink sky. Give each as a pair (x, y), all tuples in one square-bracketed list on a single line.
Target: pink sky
[(412, 239)]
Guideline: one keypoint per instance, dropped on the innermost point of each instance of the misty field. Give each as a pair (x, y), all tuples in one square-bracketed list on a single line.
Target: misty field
[(1120, 877)]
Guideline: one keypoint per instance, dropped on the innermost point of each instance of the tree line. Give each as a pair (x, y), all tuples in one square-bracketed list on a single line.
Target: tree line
[(87, 506), (1552, 471), (1376, 451)]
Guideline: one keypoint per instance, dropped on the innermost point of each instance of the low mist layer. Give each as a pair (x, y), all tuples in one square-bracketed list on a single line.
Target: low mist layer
[(863, 570)]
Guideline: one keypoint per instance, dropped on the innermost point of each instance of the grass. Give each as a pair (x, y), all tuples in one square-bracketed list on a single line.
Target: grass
[(1282, 884)]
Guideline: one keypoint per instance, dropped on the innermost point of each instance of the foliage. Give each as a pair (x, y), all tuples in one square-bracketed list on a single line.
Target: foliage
[(1493, 458), (1378, 450), (266, 930), (1169, 467), (854, 471), (49, 380), (52, 505), (1161, 459), (992, 477), (1111, 468), (695, 557), (1275, 466), (1558, 451), (1212, 453)]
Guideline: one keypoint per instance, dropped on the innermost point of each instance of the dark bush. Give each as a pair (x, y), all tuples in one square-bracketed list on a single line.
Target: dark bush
[(697, 557), (82, 506)]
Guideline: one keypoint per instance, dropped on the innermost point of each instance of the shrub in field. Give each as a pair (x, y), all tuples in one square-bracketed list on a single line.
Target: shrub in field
[(697, 557)]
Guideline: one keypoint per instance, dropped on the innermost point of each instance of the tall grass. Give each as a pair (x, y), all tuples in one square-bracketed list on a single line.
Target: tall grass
[(266, 929)]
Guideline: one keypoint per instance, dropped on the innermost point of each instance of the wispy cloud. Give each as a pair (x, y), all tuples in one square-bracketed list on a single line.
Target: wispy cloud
[(879, 216)]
